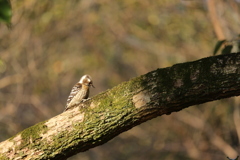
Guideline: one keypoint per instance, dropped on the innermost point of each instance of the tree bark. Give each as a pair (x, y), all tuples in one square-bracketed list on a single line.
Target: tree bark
[(110, 113)]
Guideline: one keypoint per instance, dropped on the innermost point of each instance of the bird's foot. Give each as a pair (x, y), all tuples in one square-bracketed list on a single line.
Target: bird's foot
[(84, 100)]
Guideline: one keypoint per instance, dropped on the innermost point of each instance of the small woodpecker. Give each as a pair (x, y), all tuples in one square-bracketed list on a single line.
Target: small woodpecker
[(80, 91)]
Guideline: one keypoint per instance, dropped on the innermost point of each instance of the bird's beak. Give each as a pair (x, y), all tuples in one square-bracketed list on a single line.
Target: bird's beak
[(92, 85)]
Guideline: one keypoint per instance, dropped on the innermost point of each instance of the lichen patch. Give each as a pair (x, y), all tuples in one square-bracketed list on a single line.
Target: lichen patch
[(214, 69), (9, 148), (28, 154), (78, 118), (178, 83), (93, 105), (195, 75), (7, 145), (230, 69), (62, 122), (141, 99)]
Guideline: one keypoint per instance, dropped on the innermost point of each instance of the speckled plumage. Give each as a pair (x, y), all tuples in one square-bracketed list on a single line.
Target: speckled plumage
[(79, 91)]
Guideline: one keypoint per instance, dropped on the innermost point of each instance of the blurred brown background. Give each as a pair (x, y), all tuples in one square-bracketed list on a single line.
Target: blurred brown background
[(53, 43)]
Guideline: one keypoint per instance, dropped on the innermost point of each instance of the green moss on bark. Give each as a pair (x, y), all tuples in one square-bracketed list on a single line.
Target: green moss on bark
[(32, 134), (2, 157)]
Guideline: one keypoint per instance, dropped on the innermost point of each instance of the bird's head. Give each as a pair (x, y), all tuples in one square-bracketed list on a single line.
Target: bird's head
[(86, 80)]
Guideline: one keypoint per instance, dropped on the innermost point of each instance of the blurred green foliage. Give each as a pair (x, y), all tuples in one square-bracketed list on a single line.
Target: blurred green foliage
[(5, 11), (53, 43)]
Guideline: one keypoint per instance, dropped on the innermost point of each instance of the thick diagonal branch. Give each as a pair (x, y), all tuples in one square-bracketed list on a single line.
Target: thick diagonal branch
[(110, 113)]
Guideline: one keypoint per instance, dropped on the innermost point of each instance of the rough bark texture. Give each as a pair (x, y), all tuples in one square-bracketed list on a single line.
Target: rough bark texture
[(110, 113)]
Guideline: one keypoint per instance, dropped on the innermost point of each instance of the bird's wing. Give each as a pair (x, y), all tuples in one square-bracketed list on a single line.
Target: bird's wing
[(73, 92), (81, 94)]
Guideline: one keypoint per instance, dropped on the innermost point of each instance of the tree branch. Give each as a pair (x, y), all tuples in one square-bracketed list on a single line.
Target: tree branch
[(110, 113)]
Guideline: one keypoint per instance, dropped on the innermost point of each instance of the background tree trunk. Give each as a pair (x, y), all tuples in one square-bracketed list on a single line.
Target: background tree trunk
[(108, 114)]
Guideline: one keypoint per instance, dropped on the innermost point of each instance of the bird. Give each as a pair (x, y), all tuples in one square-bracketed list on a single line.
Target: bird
[(80, 91)]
